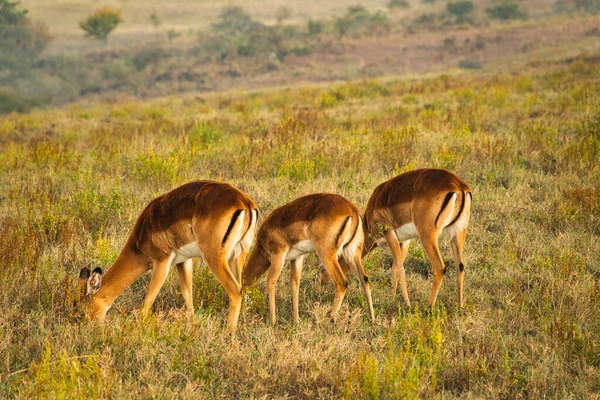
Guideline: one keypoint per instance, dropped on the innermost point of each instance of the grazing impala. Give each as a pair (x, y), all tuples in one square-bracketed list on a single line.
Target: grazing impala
[(424, 204), (210, 219), (326, 224)]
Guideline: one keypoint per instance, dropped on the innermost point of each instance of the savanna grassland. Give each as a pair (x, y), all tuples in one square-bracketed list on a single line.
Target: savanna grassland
[(73, 180)]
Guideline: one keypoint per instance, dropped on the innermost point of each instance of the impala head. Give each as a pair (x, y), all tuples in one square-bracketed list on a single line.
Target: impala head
[(89, 282), (258, 263)]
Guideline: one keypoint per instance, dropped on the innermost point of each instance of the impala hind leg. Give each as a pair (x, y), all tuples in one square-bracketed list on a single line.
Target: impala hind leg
[(335, 272), (295, 273), (277, 262), (363, 280), (457, 244), (399, 251), (236, 263), (218, 265), (160, 269), (185, 272), (430, 243)]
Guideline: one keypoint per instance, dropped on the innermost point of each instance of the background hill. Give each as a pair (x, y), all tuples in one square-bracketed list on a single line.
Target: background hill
[(201, 46), (523, 130)]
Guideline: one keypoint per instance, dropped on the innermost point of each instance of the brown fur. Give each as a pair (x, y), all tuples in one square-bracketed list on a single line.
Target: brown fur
[(420, 197), (331, 223), (199, 211)]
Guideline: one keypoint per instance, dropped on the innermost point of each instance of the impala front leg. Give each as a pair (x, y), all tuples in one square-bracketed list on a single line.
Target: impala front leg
[(277, 261), (399, 251), (295, 273), (185, 271), (160, 269)]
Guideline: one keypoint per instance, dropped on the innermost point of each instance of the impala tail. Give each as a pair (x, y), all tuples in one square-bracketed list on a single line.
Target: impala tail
[(352, 246), (455, 221)]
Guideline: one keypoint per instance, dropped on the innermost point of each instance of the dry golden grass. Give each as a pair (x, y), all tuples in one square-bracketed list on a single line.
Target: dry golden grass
[(73, 180)]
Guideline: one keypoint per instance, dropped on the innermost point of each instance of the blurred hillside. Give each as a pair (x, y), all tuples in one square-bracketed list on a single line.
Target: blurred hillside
[(200, 46)]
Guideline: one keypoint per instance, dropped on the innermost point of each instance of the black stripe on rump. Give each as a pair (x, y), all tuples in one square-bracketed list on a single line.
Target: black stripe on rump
[(354, 234), (462, 208), (444, 204), (337, 238), (236, 214)]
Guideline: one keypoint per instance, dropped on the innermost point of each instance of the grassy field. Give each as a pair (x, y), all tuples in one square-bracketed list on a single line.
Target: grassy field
[(73, 180)]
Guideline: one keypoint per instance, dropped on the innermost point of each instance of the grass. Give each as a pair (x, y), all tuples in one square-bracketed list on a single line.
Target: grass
[(73, 180)]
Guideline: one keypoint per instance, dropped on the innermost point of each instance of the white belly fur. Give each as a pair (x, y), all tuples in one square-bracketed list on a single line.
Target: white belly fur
[(186, 252), (300, 249), (406, 232)]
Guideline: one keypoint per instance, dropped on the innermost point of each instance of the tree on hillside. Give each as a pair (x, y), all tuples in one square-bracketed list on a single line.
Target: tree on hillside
[(461, 10), (506, 11), (101, 23), (21, 40)]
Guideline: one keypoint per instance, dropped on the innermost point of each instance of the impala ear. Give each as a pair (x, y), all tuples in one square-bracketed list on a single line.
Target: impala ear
[(94, 282), (82, 283)]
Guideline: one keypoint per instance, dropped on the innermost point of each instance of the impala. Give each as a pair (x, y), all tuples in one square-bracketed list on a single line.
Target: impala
[(210, 219), (424, 204), (326, 224)]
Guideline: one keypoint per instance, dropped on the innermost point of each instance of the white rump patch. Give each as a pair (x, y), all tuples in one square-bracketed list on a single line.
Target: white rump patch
[(301, 248), (186, 252), (406, 232), (449, 232), (245, 242), (350, 249)]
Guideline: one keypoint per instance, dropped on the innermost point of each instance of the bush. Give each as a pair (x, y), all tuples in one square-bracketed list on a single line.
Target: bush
[(237, 34), (101, 23), (505, 11), (589, 6), (469, 63), (315, 27), (235, 21), (461, 10), (21, 41), (282, 14), (397, 4), (359, 20), (10, 101), (147, 56)]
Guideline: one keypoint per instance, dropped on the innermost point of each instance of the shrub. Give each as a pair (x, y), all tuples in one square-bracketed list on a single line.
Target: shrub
[(315, 27), (101, 23), (10, 101), (589, 6), (155, 20), (397, 4), (282, 14), (461, 10), (235, 21), (22, 41), (147, 56), (359, 20), (237, 34), (506, 11), (469, 63)]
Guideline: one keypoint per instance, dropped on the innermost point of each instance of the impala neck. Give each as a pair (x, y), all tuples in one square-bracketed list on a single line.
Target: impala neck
[(127, 268), (370, 239)]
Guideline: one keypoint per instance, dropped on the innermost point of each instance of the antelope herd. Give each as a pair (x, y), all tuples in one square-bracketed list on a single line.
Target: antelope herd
[(217, 222)]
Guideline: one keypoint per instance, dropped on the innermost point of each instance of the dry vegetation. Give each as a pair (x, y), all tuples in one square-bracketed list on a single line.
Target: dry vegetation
[(174, 48), (72, 182)]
